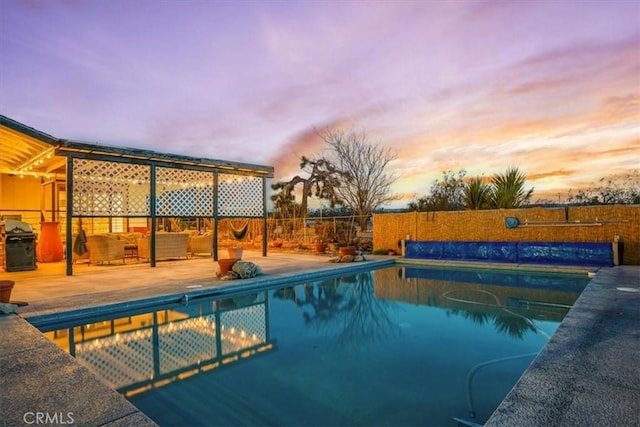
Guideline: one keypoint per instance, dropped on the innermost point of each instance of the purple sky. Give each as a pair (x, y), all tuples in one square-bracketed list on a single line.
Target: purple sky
[(552, 87)]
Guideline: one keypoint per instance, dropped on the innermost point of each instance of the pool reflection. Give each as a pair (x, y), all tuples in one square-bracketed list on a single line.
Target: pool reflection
[(417, 340), (146, 350)]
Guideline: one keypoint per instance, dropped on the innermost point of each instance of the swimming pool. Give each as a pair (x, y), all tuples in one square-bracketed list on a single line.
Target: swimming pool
[(394, 346)]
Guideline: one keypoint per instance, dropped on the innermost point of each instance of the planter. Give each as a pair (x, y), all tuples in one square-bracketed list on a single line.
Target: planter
[(347, 250), (49, 246), (320, 248), (235, 252), (5, 290), (226, 264)]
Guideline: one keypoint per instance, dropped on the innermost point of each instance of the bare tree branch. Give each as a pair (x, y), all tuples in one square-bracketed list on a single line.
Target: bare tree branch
[(362, 164)]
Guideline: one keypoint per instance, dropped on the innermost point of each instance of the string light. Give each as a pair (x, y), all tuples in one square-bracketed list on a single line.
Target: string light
[(35, 161)]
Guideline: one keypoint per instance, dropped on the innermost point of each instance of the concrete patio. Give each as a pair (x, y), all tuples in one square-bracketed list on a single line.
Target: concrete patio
[(588, 374)]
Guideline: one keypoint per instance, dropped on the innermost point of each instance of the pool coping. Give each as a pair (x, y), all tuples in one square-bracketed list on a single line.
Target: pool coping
[(558, 388), (587, 374)]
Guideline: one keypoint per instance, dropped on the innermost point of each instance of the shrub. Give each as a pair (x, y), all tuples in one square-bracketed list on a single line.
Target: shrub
[(380, 252)]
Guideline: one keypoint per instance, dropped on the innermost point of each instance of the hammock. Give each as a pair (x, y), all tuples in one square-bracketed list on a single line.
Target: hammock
[(239, 233)]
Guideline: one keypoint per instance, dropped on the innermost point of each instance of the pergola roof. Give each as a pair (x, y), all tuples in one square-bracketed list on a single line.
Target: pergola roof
[(22, 146), (29, 151)]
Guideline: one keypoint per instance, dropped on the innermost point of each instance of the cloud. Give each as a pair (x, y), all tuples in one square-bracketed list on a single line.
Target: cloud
[(287, 159), (550, 87)]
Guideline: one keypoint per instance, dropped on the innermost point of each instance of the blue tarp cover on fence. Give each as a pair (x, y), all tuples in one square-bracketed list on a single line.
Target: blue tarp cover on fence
[(554, 253)]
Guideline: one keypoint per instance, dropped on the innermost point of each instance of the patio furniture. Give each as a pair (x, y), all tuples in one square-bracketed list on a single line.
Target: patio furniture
[(201, 244), (168, 245), (131, 251), (104, 248)]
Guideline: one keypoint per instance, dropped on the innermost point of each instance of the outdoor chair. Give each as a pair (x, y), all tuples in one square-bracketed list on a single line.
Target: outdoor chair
[(104, 248), (201, 244)]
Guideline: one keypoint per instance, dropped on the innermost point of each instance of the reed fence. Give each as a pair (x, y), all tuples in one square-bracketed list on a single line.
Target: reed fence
[(563, 224)]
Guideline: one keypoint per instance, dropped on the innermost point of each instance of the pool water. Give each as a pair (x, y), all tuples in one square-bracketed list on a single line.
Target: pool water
[(397, 346)]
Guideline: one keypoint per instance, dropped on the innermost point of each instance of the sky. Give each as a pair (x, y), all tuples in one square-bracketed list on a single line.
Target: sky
[(550, 87)]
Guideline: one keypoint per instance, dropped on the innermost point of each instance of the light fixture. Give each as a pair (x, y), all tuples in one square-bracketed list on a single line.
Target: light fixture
[(35, 161)]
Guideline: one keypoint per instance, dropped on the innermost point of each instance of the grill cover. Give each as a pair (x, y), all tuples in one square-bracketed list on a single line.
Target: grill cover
[(15, 227)]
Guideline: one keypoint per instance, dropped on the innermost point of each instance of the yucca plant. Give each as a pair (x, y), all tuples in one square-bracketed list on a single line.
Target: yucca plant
[(508, 190), (476, 194)]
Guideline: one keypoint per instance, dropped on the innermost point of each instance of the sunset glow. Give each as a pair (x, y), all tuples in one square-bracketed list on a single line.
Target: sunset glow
[(552, 87)]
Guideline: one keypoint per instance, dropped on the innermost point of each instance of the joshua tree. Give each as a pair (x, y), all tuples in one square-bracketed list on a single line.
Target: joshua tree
[(322, 182), (285, 203)]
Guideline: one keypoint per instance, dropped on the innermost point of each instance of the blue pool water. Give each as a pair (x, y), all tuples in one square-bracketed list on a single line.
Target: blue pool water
[(390, 347)]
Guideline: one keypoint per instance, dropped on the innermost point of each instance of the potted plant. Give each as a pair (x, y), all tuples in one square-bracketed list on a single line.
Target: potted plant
[(5, 290), (320, 247), (235, 252), (349, 248), (226, 264)]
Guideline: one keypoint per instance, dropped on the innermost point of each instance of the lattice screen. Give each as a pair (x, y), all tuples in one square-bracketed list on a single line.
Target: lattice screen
[(102, 188), (182, 192), (243, 327), (110, 188), (128, 357), (240, 196), (120, 360), (187, 342)]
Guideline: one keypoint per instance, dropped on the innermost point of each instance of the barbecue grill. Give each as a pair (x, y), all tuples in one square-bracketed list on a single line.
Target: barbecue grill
[(20, 246)]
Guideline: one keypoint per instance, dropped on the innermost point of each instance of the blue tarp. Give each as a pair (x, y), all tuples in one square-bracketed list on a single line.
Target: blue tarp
[(554, 253)]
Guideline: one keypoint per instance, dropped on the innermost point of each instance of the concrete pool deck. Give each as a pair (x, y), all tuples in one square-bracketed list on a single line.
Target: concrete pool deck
[(588, 374)]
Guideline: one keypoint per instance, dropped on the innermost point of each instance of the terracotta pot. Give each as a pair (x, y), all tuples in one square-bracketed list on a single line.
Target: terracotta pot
[(226, 264), (5, 290), (320, 248), (347, 250), (235, 252), (49, 246)]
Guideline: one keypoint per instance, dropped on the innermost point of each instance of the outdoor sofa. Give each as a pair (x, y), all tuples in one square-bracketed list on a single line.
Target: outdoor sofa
[(105, 248), (168, 245), (201, 244)]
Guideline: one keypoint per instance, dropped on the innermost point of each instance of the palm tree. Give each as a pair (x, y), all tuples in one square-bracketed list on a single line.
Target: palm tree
[(508, 189), (476, 194)]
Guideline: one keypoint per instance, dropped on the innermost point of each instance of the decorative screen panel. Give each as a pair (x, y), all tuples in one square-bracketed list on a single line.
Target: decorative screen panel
[(187, 342), (110, 188), (121, 359), (240, 196), (243, 328), (182, 192)]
